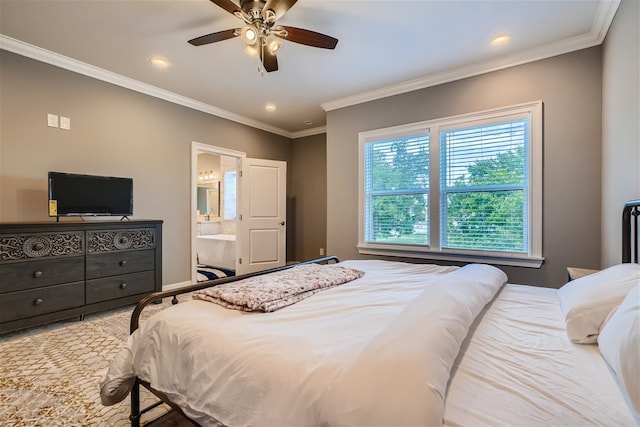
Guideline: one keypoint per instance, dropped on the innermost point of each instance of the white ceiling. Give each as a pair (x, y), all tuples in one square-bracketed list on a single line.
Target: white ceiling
[(385, 47)]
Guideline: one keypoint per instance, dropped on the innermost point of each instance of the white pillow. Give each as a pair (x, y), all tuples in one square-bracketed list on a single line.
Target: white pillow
[(587, 301), (619, 343)]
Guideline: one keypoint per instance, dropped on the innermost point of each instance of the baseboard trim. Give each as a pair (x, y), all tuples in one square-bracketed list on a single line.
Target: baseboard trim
[(174, 286)]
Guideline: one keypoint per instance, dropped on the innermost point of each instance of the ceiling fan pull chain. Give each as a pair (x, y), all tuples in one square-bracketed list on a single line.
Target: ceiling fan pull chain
[(261, 68)]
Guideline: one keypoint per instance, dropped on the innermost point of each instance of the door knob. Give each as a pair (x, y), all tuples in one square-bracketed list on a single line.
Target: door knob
[(281, 222)]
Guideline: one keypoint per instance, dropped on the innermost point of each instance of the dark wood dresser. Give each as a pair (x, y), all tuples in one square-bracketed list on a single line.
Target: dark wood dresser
[(54, 271)]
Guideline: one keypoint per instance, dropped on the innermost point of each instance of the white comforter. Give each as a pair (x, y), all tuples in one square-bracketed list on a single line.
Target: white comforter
[(376, 351)]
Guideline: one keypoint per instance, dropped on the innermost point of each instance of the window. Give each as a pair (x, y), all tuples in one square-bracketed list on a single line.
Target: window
[(229, 186), (397, 190), (465, 188)]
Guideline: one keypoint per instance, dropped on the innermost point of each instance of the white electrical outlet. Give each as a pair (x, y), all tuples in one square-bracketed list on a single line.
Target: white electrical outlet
[(65, 123), (321, 251), (52, 120)]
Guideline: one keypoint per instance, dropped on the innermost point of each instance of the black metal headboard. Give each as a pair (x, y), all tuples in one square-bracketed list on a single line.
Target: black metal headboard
[(630, 215)]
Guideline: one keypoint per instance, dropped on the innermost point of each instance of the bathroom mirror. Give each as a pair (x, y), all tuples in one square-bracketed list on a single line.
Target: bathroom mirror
[(209, 199)]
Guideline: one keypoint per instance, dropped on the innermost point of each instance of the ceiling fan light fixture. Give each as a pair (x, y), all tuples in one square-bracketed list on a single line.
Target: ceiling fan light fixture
[(249, 34), (252, 51), (273, 43), (261, 36)]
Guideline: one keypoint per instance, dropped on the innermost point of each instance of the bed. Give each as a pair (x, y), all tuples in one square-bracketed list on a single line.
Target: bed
[(399, 344)]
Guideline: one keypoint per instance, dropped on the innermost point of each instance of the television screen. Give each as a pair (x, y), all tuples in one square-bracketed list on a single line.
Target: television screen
[(77, 195)]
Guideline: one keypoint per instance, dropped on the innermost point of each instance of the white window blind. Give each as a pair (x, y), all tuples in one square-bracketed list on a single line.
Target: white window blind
[(397, 190), (484, 182)]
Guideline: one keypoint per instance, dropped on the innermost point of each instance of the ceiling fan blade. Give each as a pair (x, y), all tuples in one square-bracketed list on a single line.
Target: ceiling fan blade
[(230, 7), (269, 60), (215, 37), (306, 37), (279, 8)]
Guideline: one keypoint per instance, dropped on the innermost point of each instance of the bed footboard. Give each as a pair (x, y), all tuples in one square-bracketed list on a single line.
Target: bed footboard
[(136, 411), (630, 215)]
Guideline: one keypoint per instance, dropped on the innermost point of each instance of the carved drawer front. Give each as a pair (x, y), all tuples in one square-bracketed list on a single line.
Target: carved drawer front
[(34, 274), (33, 302), (21, 247), (120, 286), (112, 264), (120, 240)]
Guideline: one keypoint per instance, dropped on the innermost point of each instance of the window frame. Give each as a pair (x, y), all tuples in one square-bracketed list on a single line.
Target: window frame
[(532, 258)]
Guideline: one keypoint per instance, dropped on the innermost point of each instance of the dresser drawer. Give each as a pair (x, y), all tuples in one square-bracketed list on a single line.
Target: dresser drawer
[(34, 274), (102, 241), (120, 286), (33, 302), (41, 245), (115, 263)]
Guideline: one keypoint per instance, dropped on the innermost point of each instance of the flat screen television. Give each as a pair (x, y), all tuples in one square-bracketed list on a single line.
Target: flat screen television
[(89, 195)]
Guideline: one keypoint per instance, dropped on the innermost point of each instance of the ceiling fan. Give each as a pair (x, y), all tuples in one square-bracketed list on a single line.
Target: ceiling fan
[(260, 32)]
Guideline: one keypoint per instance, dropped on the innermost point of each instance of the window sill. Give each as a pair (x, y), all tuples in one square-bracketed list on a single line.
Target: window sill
[(460, 256)]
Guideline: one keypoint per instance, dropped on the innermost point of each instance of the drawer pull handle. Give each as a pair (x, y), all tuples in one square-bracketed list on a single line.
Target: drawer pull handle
[(123, 285), (37, 274), (123, 263), (37, 301)]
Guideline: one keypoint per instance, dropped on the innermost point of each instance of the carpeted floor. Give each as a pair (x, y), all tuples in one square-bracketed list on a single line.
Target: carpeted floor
[(49, 376)]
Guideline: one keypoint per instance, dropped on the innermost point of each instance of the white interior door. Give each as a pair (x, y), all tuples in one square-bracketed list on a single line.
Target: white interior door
[(261, 220)]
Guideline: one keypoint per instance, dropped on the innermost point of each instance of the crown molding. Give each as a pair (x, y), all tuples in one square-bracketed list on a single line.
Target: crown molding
[(308, 132), (604, 16), (34, 52)]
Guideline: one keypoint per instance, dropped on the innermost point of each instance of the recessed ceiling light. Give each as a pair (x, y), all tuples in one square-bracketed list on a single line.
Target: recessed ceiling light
[(270, 107), (159, 62), (502, 39)]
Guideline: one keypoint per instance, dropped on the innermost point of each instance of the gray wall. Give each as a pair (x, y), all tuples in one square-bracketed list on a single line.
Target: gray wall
[(309, 191), (620, 124), (114, 131), (570, 87)]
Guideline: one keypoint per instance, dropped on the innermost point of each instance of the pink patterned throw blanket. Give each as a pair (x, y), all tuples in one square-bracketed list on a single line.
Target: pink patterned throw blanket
[(271, 292)]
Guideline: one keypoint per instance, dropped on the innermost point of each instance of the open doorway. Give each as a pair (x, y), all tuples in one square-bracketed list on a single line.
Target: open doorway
[(214, 201)]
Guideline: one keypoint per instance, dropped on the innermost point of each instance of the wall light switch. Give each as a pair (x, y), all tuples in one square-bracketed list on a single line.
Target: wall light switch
[(52, 120), (65, 123)]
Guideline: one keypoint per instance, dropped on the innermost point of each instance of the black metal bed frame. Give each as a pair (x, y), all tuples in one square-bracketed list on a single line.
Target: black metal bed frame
[(156, 297), (630, 215)]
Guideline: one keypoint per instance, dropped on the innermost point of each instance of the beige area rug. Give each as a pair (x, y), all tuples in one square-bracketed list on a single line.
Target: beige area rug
[(49, 376)]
